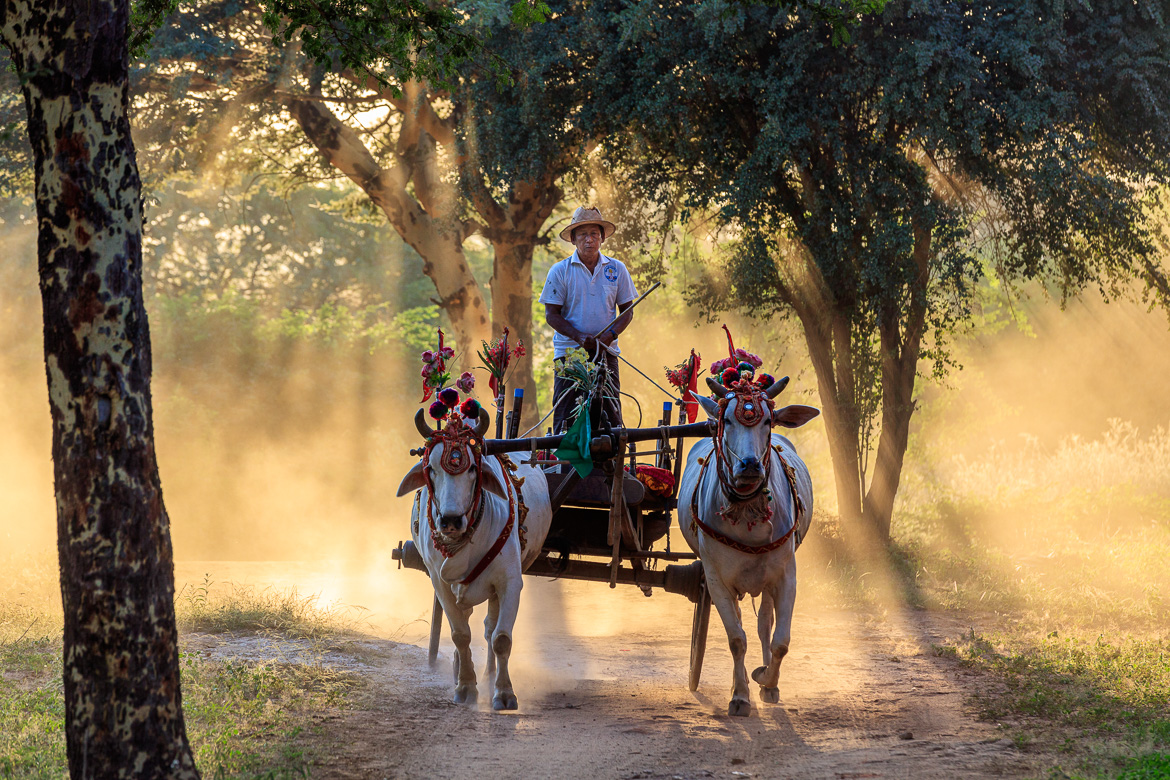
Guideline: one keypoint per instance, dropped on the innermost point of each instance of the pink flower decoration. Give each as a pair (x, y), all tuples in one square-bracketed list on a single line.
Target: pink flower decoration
[(428, 357), (466, 382)]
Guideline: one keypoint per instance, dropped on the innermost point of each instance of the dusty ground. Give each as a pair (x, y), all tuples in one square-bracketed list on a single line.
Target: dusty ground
[(861, 697)]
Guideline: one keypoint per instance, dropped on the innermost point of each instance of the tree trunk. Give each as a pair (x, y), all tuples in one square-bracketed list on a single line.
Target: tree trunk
[(901, 342), (434, 233), (514, 231), (840, 412), (123, 708), (512, 308)]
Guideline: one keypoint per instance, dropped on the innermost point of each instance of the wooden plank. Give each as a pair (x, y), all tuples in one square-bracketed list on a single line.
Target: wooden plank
[(565, 488)]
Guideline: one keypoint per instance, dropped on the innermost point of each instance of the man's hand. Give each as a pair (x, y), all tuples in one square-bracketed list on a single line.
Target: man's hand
[(607, 337), (588, 342)]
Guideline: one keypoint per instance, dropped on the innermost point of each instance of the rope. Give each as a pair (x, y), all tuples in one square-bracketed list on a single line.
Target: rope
[(651, 381)]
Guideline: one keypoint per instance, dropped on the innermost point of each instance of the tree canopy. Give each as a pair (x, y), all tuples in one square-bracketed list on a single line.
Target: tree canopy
[(867, 184)]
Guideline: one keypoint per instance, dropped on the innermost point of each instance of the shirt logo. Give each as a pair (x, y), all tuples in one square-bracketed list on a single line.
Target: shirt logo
[(610, 273)]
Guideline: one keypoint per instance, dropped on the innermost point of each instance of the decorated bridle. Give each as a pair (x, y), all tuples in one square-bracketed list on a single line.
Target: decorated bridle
[(462, 448), (754, 405)]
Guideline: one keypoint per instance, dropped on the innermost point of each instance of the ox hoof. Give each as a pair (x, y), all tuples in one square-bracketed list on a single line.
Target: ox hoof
[(504, 701), (770, 695), (466, 694), (758, 674), (739, 708)]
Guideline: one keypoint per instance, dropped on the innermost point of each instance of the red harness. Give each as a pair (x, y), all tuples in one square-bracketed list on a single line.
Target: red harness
[(460, 450), (749, 411)]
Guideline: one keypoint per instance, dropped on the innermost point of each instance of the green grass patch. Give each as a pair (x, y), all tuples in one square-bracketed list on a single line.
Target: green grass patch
[(1155, 766), (1110, 686), (215, 608), (245, 718)]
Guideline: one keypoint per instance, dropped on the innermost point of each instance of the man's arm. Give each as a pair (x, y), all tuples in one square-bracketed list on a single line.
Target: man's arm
[(557, 321), (627, 316)]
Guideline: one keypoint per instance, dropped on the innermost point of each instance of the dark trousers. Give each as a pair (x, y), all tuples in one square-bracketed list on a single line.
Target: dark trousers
[(563, 413)]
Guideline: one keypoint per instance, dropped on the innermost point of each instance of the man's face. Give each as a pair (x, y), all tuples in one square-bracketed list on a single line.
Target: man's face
[(588, 241)]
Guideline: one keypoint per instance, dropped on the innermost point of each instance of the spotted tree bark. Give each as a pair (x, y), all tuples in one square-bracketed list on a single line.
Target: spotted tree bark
[(123, 708)]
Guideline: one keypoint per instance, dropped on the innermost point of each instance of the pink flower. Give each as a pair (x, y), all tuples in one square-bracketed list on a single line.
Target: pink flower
[(466, 382), (446, 352), (426, 371), (718, 366), (747, 357), (428, 357)]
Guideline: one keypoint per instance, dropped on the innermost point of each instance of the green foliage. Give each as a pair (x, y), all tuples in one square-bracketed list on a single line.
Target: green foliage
[(388, 39), (145, 18), (1155, 766), (867, 186)]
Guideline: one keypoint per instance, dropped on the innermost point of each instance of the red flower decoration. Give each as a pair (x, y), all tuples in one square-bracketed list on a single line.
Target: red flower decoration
[(496, 357), (686, 377)]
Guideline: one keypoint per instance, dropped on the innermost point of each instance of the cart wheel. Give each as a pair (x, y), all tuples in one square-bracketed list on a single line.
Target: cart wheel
[(699, 634), (436, 629)]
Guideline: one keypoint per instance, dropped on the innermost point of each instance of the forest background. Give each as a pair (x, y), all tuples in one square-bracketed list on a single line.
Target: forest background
[(289, 210)]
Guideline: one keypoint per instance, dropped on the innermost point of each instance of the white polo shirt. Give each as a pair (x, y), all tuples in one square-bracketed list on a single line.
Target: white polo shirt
[(588, 301)]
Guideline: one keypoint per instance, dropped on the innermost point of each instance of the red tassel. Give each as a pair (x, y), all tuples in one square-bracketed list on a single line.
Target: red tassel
[(730, 344), (693, 385)]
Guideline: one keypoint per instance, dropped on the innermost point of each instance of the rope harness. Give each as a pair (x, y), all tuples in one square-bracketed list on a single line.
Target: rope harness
[(749, 411), (461, 449)]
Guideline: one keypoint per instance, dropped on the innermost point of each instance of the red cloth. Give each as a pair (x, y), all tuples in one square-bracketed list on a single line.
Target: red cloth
[(658, 481)]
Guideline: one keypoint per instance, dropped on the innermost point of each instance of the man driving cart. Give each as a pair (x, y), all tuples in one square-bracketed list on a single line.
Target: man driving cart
[(582, 295)]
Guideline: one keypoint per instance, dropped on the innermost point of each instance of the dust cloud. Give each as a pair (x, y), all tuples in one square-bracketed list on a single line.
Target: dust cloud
[(280, 460)]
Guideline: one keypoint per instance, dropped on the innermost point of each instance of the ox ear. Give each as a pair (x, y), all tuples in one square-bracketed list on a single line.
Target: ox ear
[(491, 483), (794, 416), (413, 480), (709, 406)]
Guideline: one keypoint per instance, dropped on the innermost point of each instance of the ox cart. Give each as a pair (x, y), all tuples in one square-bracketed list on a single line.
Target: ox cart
[(607, 526)]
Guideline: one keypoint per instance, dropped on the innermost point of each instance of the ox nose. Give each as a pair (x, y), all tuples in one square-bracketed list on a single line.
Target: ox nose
[(450, 524), (751, 466)]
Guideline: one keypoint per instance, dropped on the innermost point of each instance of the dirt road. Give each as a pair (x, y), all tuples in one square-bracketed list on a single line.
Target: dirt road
[(603, 694)]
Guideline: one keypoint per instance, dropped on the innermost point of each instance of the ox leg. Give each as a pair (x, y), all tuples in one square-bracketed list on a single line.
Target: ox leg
[(728, 608), (489, 628), (459, 619), (501, 645), (776, 646)]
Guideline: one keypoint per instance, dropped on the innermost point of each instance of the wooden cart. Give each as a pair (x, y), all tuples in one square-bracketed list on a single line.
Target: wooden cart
[(606, 529)]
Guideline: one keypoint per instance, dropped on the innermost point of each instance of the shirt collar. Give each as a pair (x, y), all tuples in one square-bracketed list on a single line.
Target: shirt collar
[(573, 258)]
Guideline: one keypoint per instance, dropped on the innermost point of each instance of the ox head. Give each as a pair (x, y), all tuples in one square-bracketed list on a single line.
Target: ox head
[(454, 472), (746, 417)]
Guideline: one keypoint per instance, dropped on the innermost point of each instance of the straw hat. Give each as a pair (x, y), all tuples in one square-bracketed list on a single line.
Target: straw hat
[(588, 216)]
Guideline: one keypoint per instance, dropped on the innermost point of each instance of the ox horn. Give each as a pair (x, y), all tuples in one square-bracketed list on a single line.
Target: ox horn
[(481, 425), (716, 388), (777, 388), (420, 422)]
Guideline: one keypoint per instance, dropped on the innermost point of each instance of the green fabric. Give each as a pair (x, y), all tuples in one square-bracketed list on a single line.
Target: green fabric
[(575, 446)]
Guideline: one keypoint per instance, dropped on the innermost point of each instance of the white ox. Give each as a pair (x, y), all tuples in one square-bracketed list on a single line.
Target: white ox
[(745, 497), (466, 524)]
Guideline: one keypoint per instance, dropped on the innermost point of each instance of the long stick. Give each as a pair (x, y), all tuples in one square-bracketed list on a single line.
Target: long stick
[(641, 297)]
